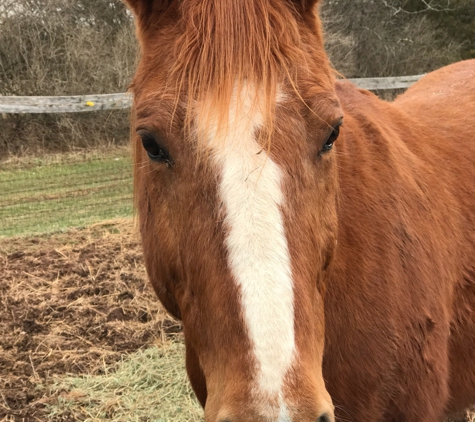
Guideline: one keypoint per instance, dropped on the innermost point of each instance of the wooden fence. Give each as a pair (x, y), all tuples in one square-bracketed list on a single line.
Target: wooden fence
[(83, 103)]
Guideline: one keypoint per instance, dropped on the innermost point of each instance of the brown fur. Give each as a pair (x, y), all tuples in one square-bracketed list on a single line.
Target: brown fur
[(405, 263), (381, 231)]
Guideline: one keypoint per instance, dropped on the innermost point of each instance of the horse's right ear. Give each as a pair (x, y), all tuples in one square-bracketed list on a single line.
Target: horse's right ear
[(144, 9), (305, 6), (140, 7)]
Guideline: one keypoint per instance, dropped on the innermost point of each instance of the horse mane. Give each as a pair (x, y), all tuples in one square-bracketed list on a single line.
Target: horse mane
[(227, 45)]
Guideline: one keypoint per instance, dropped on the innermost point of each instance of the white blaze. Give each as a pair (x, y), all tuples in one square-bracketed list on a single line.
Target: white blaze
[(251, 191)]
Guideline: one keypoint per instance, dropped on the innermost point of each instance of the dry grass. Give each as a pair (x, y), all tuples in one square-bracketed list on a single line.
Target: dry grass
[(73, 156), (71, 303), (149, 385)]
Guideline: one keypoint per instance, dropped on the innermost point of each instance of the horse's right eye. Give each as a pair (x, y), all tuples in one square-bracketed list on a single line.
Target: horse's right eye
[(328, 145), (155, 151)]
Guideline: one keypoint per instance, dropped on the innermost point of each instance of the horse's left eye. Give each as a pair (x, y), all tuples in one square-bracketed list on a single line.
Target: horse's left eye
[(155, 151), (328, 145)]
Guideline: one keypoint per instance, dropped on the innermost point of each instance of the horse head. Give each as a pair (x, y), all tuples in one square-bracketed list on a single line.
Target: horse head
[(235, 116)]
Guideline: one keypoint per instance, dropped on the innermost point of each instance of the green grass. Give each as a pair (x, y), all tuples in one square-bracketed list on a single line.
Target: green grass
[(149, 385), (54, 195)]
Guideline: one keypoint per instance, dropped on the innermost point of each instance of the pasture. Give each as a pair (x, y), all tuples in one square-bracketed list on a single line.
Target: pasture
[(47, 193)]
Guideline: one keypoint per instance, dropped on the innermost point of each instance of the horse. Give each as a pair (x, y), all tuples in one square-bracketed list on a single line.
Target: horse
[(318, 243)]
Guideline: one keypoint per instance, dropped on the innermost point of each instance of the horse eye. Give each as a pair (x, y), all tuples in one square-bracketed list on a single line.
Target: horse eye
[(155, 151), (328, 145)]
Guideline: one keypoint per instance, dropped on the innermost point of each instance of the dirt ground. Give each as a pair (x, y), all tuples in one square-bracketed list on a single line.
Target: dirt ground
[(69, 304)]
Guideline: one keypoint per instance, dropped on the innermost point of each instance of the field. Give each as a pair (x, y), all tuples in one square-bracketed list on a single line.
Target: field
[(82, 336), (54, 192)]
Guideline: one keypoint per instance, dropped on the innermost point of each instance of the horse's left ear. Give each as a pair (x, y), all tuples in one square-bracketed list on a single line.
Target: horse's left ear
[(305, 6)]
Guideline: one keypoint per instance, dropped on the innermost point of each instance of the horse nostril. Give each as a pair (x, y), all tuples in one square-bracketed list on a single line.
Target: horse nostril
[(324, 418)]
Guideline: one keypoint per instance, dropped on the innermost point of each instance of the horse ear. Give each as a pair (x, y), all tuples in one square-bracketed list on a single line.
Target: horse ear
[(305, 6), (143, 9), (139, 7)]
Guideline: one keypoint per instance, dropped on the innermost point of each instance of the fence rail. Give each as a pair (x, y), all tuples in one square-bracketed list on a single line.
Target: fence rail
[(84, 103), (376, 84), (69, 104)]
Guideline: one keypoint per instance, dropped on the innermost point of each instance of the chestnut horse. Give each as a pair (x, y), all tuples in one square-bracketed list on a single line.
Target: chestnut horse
[(317, 243)]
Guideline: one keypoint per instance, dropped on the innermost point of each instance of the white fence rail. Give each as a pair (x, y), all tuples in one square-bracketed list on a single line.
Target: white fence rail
[(83, 103)]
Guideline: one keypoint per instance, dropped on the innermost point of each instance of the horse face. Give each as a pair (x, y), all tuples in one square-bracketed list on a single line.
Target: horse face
[(236, 196)]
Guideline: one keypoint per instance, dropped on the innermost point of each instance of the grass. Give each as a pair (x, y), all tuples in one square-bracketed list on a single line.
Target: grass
[(53, 193), (83, 336), (149, 385)]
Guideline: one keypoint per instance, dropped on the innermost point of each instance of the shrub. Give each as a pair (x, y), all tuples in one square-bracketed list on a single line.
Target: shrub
[(64, 47), (370, 38)]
